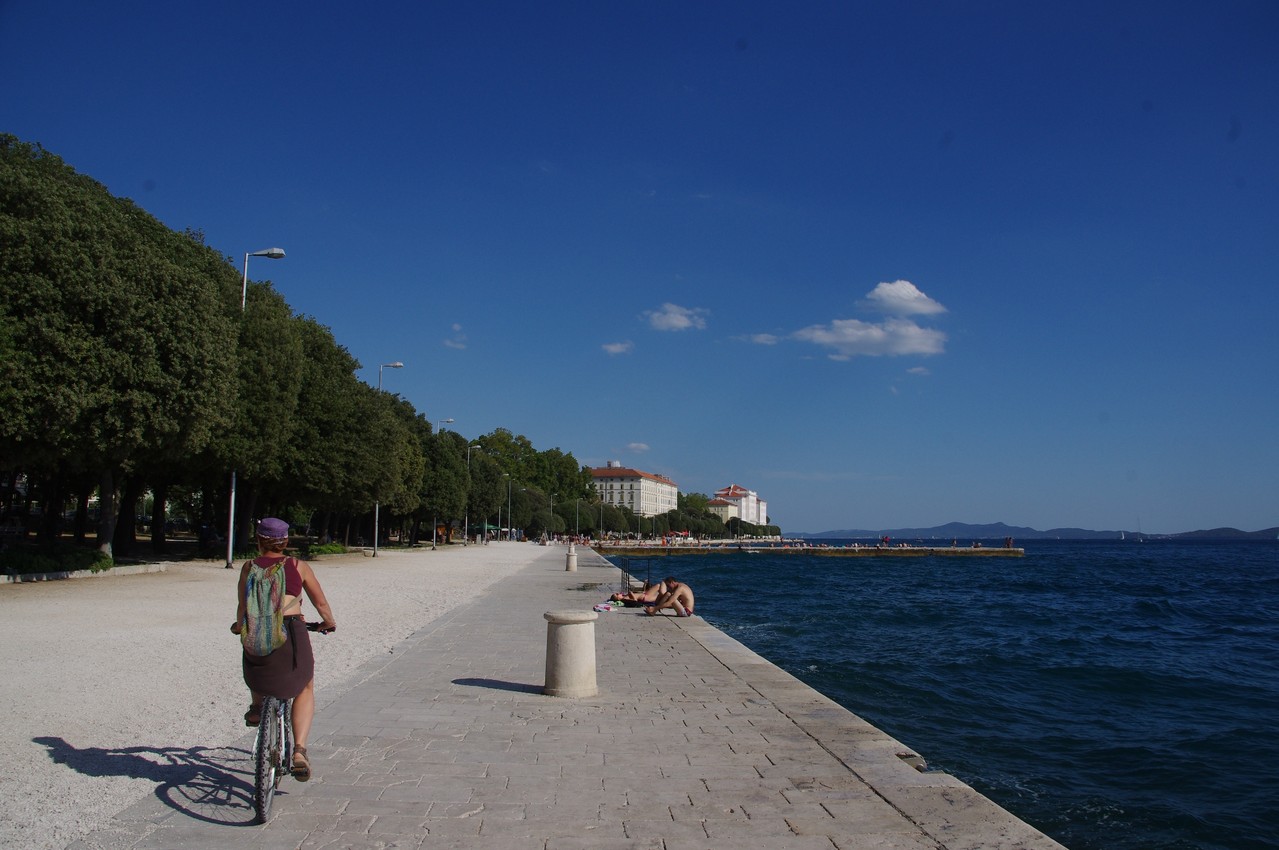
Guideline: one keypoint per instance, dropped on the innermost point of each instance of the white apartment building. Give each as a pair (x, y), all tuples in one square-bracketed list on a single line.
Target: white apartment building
[(746, 504), (645, 493), (722, 508)]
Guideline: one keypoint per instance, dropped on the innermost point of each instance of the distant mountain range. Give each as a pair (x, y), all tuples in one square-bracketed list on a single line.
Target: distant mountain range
[(998, 531)]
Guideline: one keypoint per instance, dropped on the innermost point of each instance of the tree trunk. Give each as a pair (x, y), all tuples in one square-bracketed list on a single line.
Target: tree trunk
[(81, 528), (51, 498), (159, 520), (245, 504), (106, 513), (11, 488), (126, 532)]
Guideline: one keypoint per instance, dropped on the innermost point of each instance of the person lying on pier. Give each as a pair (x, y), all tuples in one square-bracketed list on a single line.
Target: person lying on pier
[(650, 594), (678, 597)]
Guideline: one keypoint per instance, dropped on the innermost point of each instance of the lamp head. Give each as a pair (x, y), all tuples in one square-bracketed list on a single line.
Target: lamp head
[(272, 253)]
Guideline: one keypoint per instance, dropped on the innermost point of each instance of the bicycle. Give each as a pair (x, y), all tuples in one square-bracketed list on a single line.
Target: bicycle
[(273, 749)]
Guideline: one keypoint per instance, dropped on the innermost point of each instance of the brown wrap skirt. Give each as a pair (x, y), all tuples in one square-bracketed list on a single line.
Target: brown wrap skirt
[(286, 672)]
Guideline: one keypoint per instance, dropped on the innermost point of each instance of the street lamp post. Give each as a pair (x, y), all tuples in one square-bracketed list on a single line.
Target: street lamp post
[(499, 506), (377, 503), (274, 254), (466, 515)]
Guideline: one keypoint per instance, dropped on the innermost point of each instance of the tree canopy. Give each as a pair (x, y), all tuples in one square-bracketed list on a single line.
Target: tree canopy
[(128, 365)]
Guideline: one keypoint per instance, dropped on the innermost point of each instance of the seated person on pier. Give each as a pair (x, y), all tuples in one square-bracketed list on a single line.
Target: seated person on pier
[(650, 594), (678, 597)]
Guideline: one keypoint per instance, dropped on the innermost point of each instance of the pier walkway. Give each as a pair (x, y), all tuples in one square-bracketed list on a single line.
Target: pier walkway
[(693, 743)]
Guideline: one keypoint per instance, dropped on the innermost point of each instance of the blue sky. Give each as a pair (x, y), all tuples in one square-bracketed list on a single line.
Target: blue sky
[(887, 264)]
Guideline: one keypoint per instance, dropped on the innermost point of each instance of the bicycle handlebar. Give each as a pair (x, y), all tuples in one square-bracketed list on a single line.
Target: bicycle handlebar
[(310, 627)]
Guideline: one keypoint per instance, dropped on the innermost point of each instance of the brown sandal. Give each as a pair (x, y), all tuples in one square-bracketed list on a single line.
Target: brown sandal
[(253, 716), (301, 765)]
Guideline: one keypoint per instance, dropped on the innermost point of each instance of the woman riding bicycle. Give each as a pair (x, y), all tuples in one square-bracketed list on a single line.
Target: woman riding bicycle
[(288, 672)]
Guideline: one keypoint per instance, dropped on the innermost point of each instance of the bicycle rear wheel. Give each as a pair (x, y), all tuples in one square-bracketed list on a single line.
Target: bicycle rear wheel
[(266, 758), (286, 742)]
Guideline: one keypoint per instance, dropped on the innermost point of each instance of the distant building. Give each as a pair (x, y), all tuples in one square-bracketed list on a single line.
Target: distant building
[(645, 493), (722, 508), (746, 504)]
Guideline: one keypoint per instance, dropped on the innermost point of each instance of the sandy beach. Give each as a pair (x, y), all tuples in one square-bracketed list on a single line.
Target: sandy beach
[(143, 669)]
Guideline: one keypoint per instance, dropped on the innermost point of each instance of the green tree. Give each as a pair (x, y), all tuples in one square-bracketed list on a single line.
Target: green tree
[(523, 503), (693, 503), (325, 450), (487, 489), (270, 360), (542, 518), (444, 485), (558, 472), (514, 454), (123, 342), (128, 364)]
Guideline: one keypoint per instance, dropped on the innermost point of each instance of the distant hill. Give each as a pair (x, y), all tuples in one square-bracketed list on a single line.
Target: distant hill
[(998, 531), (1229, 534)]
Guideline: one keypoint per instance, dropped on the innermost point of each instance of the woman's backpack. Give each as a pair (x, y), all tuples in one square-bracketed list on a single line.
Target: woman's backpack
[(263, 630)]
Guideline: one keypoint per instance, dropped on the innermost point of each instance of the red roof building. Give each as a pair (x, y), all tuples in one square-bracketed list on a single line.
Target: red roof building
[(645, 493), (746, 503)]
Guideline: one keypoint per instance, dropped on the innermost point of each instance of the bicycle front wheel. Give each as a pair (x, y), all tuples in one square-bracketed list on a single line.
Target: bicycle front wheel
[(266, 758)]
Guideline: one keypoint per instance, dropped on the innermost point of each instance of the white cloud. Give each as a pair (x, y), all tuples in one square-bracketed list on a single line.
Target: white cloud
[(918, 370), (902, 298), (458, 340), (898, 334), (637, 448), (618, 347), (847, 338), (672, 317)]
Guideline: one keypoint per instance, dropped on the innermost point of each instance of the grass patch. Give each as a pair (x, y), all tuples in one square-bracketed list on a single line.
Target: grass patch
[(313, 549), (32, 558)]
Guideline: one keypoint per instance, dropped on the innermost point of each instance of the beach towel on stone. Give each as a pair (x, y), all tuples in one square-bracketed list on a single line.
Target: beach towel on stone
[(263, 630)]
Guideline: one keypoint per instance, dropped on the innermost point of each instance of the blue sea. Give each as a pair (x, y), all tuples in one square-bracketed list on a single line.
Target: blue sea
[(1116, 695)]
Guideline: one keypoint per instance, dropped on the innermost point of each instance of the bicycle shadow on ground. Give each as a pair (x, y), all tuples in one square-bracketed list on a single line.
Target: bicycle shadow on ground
[(209, 784)]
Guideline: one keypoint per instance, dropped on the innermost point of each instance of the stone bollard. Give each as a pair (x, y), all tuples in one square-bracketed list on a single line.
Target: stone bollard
[(570, 562), (570, 654)]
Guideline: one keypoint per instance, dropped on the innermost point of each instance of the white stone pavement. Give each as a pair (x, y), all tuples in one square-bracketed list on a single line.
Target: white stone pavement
[(693, 743)]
